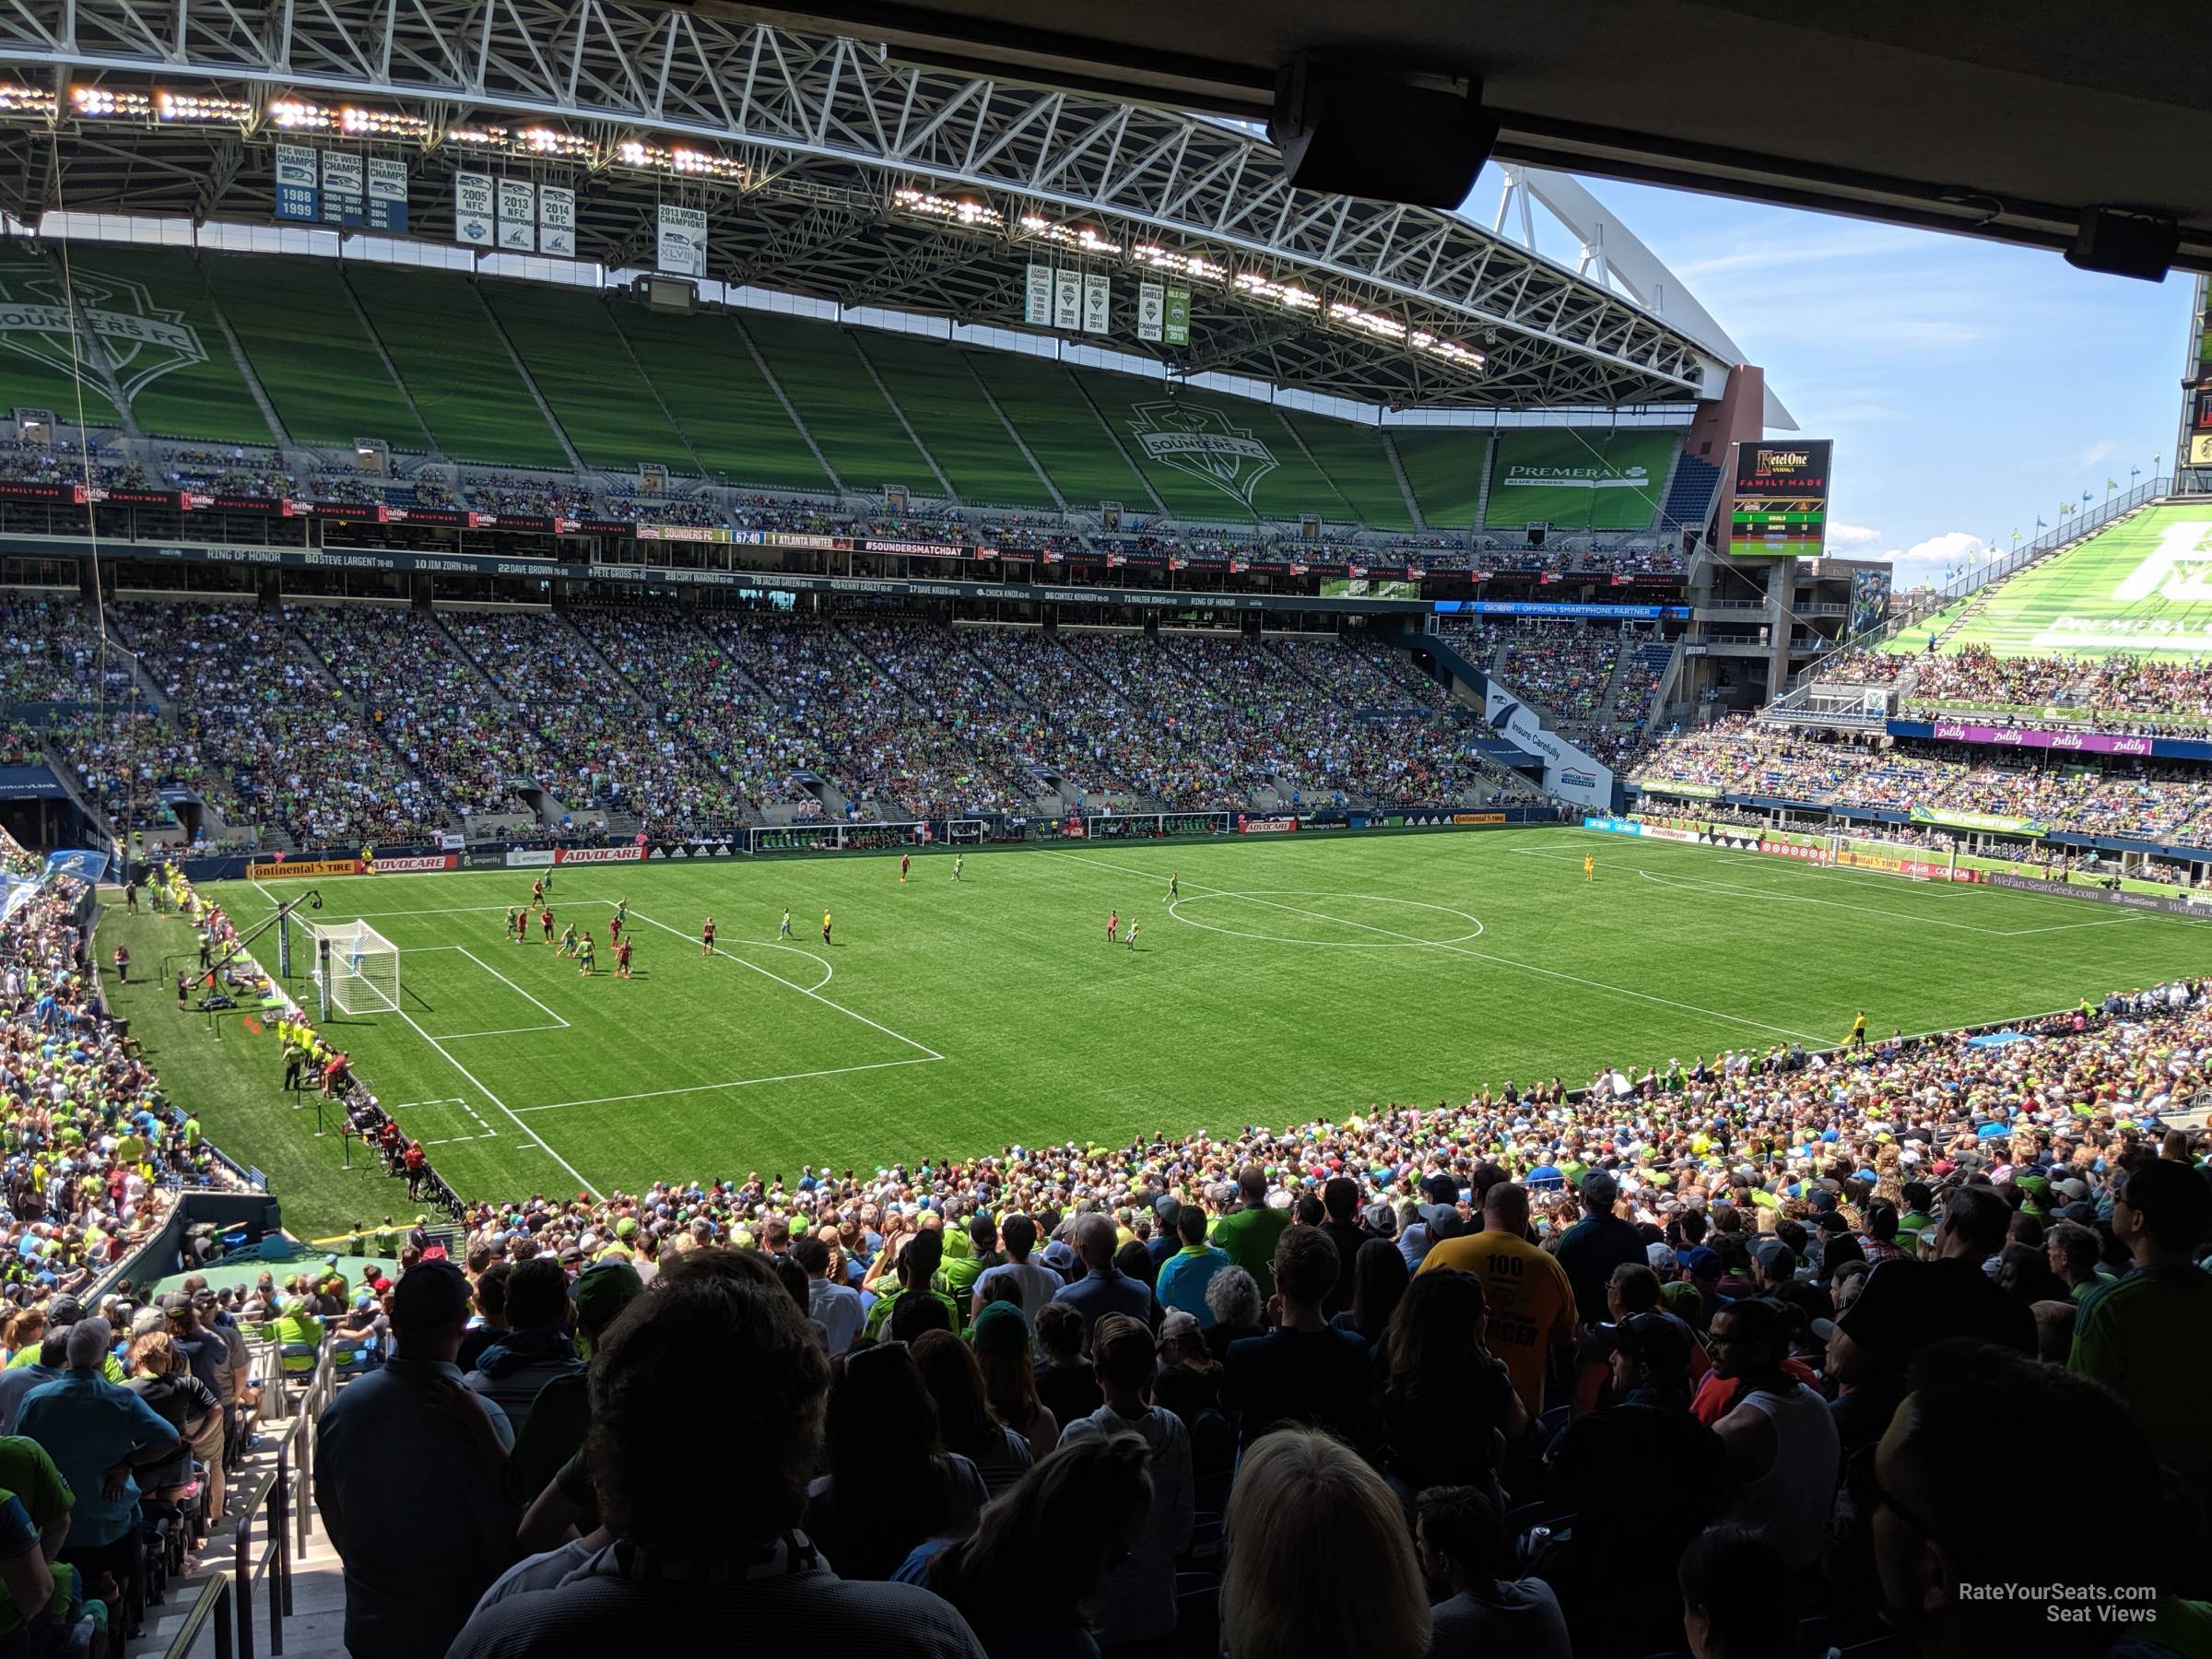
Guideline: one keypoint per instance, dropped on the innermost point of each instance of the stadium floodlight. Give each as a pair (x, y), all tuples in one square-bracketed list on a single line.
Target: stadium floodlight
[(356, 968)]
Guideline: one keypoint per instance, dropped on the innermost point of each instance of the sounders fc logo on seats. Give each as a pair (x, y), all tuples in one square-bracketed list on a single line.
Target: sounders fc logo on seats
[(2179, 568), (1201, 441), (142, 339)]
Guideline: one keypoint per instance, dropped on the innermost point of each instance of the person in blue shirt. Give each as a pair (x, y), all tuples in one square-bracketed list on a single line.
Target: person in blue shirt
[(1185, 1274), (1104, 1288), (405, 1444), (93, 1429)]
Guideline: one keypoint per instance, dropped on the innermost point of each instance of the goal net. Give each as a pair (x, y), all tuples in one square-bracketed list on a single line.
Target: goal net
[(357, 968)]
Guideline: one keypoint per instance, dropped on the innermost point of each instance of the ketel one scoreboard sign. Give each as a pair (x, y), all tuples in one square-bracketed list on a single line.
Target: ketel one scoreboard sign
[(1781, 507)]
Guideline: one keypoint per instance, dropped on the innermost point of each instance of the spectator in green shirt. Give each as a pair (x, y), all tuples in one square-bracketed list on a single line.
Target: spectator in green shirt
[(2147, 1336), (956, 1278), (916, 1266), (295, 1326), (27, 1475), (1247, 1234)]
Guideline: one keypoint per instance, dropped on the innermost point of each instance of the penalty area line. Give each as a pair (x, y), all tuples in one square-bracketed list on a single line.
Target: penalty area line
[(655, 1094)]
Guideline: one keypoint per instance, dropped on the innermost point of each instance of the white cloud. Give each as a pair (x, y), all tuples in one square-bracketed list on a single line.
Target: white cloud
[(2099, 450), (1929, 562), (1846, 538)]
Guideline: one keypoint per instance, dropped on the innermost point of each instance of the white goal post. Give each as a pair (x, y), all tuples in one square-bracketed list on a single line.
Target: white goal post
[(356, 968)]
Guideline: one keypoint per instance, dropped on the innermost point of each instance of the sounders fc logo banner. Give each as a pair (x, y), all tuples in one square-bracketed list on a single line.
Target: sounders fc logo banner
[(142, 340), (1202, 442)]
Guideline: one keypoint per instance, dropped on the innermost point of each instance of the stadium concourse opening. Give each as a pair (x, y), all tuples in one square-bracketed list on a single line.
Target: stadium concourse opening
[(1208, 898)]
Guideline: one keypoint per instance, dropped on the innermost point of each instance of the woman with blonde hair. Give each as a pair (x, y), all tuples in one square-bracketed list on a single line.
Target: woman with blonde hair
[(162, 1377), (1320, 1560)]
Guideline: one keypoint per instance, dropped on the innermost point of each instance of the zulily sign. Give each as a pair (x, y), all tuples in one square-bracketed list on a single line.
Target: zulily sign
[(2035, 737)]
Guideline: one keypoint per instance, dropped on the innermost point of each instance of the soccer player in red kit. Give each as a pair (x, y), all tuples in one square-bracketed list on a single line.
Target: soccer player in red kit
[(905, 859), (622, 959), (1114, 924), (614, 928), (544, 924), (706, 937)]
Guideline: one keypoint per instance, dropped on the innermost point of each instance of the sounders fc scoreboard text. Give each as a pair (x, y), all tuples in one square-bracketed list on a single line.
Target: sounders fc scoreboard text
[(1781, 507)]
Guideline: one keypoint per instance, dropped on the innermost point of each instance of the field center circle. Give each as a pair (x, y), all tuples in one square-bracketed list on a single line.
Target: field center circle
[(1282, 899)]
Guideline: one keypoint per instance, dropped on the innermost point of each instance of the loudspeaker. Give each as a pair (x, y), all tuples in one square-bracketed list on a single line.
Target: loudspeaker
[(2124, 244), (1351, 129)]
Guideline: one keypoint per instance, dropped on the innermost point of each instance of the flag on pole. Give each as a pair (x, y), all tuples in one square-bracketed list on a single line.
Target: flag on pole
[(2085, 495), (2015, 533), (2039, 523)]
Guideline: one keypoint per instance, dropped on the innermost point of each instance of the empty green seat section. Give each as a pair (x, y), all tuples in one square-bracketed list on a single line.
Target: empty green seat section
[(301, 332), (737, 425), (569, 343), (1578, 478), (1065, 437), (456, 367), (955, 421), (1194, 459), (1444, 466), (822, 372), (37, 370), (162, 340), (1357, 465)]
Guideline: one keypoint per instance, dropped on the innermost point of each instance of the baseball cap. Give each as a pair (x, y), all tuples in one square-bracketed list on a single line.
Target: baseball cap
[(429, 1294), (1441, 1188), (64, 1310), (1661, 1258), (1599, 1187), (1658, 1339), (175, 1302), (1180, 1325), (1699, 1261), (603, 1290), (1001, 1329), (1776, 1256)]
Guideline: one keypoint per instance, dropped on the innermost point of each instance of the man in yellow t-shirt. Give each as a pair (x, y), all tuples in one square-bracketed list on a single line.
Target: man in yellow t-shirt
[(1528, 1302)]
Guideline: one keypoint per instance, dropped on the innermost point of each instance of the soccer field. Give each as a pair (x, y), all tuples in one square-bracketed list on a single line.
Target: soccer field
[(1293, 979)]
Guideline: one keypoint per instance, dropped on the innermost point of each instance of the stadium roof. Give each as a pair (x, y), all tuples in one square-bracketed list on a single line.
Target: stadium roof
[(2000, 120), (828, 169)]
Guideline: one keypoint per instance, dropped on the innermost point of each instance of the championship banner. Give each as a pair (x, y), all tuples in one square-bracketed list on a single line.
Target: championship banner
[(403, 866), (298, 183), (1037, 296), (344, 197), (387, 195), (473, 209), (1151, 310), (1067, 299), (1175, 327), (682, 247), (557, 220), (1098, 302), (569, 855), (305, 868), (518, 217)]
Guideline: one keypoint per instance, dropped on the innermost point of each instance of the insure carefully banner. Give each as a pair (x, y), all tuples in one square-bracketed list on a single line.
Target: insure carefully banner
[(1570, 772)]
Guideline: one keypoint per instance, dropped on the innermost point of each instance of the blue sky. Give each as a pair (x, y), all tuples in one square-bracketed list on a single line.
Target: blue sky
[(1969, 385)]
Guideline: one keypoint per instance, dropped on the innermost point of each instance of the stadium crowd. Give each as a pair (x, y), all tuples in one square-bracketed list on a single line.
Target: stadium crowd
[(1698, 1358), (2115, 693), (2070, 791)]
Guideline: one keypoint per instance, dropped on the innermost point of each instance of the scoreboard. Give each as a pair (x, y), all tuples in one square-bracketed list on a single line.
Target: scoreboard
[(1781, 509)]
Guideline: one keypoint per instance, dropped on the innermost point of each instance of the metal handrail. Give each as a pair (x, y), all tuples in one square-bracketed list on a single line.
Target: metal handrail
[(214, 1603)]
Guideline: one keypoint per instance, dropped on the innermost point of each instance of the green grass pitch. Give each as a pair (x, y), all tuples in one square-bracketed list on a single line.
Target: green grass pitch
[(1295, 979)]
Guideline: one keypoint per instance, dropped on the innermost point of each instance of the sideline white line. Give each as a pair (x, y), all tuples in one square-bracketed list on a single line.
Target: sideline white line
[(791, 985), (1482, 956), (537, 1139), (655, 1094), (503, 1031)]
